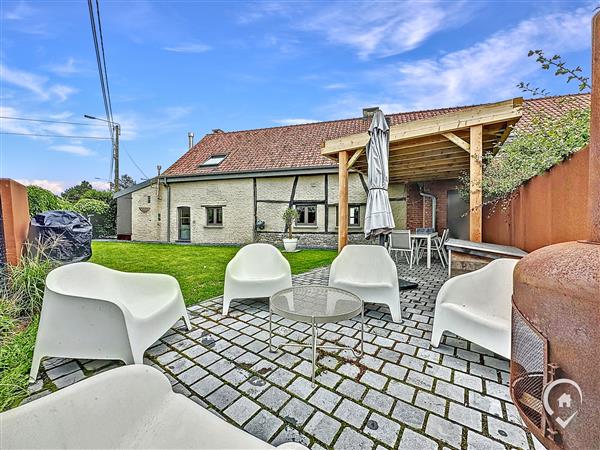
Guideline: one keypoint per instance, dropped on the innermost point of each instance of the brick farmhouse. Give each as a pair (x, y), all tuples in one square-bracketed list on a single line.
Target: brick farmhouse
[(233, 187)]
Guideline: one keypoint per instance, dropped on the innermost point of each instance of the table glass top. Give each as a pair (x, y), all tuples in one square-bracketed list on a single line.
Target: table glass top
[(321, 302)]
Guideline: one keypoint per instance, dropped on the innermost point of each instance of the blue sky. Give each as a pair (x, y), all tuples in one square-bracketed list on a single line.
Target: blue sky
[(175, 67)]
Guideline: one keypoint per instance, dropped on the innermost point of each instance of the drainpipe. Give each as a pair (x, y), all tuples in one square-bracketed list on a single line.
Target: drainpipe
[(168, 209), (433, 205)]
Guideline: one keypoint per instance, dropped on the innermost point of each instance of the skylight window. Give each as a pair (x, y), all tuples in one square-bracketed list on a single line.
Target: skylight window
[(214, 160)]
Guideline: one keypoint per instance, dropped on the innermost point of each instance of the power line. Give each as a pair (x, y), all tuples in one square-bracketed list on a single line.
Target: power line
[(135, 164), (55, 135), (107, 107), (30, 119), (104, 61)]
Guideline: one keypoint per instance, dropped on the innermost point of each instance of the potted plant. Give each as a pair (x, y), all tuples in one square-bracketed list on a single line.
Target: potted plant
[(290, 215)]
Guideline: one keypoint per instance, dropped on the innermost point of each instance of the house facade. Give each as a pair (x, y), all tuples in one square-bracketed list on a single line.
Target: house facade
[(233, 187)]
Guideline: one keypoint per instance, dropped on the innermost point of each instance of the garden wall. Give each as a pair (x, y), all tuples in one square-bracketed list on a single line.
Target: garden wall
[(14, 220), (548, 209)]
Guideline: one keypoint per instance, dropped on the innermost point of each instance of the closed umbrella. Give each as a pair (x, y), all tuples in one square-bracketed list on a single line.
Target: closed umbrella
[(378, 216)]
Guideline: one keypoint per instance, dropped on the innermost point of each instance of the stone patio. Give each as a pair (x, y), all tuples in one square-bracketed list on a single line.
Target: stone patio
[(401, 394)]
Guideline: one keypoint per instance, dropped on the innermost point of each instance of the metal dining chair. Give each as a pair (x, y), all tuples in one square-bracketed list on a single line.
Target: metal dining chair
[(400, 241), (437, 244)]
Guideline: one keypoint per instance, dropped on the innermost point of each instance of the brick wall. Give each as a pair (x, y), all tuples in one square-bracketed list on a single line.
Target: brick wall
[(418, 212)]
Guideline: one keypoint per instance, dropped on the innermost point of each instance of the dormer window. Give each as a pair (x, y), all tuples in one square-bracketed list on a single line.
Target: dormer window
[(214, 160)]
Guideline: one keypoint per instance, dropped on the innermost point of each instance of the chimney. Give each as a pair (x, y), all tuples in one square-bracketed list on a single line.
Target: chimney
[(190, 139), (370, 112), (594, 155)]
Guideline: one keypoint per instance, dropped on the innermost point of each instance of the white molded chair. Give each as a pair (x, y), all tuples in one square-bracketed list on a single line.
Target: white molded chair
[(256, 271), (127, 407), (369, 272), (93, 312), (477, 306)]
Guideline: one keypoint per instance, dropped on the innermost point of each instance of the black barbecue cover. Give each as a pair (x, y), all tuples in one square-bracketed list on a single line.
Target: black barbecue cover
[(65, 236)]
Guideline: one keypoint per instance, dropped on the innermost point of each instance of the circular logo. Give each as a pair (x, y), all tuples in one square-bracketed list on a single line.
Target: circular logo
[(562, 399)]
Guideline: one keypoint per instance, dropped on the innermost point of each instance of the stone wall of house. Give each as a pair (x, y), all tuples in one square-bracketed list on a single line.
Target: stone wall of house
[(313, 240), (146, 224), (236, 197)]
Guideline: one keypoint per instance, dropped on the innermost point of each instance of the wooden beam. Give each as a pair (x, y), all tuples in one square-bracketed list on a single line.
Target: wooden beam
[(462, 164), (475, 189), (458, 141), (355, 157), (444, 123), (343, 201)]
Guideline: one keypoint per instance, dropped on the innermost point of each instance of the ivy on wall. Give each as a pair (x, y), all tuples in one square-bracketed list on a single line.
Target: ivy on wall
[(531, 152)]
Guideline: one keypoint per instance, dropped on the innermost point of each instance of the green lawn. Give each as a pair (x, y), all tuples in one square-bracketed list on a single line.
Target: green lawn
[(200, 270)]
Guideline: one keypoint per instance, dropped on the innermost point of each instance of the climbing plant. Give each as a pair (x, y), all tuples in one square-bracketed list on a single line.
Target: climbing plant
[(547, 140)]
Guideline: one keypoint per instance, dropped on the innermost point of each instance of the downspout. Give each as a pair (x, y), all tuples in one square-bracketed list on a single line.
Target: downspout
[(168, 209), (433, 205)]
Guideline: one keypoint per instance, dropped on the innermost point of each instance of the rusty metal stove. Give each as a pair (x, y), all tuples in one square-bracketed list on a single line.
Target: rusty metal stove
[(556, 320)]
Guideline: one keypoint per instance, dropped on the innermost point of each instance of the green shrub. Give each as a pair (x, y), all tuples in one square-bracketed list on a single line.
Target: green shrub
[(22, 290), (21, 295), (100, 215), (42, 200), (547, 142)]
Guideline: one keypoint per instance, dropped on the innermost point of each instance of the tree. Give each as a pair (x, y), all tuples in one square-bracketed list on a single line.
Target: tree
[(125, 181), (74, 193), (98, 213), (42, 200)]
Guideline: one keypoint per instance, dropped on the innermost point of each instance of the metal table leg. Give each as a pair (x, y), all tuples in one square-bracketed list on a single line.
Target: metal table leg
[(314, 345), (271, 349)]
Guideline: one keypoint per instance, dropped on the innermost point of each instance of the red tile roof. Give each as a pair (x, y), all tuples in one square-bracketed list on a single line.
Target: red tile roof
[(299, 146)]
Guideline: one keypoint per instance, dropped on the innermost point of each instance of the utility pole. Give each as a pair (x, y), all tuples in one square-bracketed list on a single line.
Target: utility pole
[(116, 156), (117, 132)]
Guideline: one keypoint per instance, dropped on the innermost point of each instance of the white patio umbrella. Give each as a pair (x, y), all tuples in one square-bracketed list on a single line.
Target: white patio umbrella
[(378, 216)]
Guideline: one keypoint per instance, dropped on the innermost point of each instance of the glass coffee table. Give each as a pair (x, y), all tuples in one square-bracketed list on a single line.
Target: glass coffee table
[(316, 305)]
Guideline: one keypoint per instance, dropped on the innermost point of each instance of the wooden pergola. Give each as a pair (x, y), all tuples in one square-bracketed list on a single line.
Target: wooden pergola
[(437, 148)]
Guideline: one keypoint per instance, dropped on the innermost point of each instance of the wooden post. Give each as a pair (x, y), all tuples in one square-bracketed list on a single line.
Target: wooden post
[(476, 176), (343, 200)]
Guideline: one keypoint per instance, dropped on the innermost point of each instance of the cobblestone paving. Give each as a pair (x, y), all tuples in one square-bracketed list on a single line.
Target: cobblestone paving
[(402, 394)]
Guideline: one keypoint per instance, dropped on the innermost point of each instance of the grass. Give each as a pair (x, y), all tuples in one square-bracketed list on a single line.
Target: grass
[(200, 270), (16, 352)]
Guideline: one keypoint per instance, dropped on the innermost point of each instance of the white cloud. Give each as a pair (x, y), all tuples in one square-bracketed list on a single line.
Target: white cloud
[(20, 11), (79, 150), (35, 84), (383, 29), (294, 121), (188, 48), (52, 185), (67, 68), (25, 80), (370, 28), (100, 185), (335, 86), (487, 71)]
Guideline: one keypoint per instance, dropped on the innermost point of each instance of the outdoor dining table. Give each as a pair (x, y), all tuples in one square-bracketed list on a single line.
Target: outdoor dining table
[(428, 237), (316, 305)]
